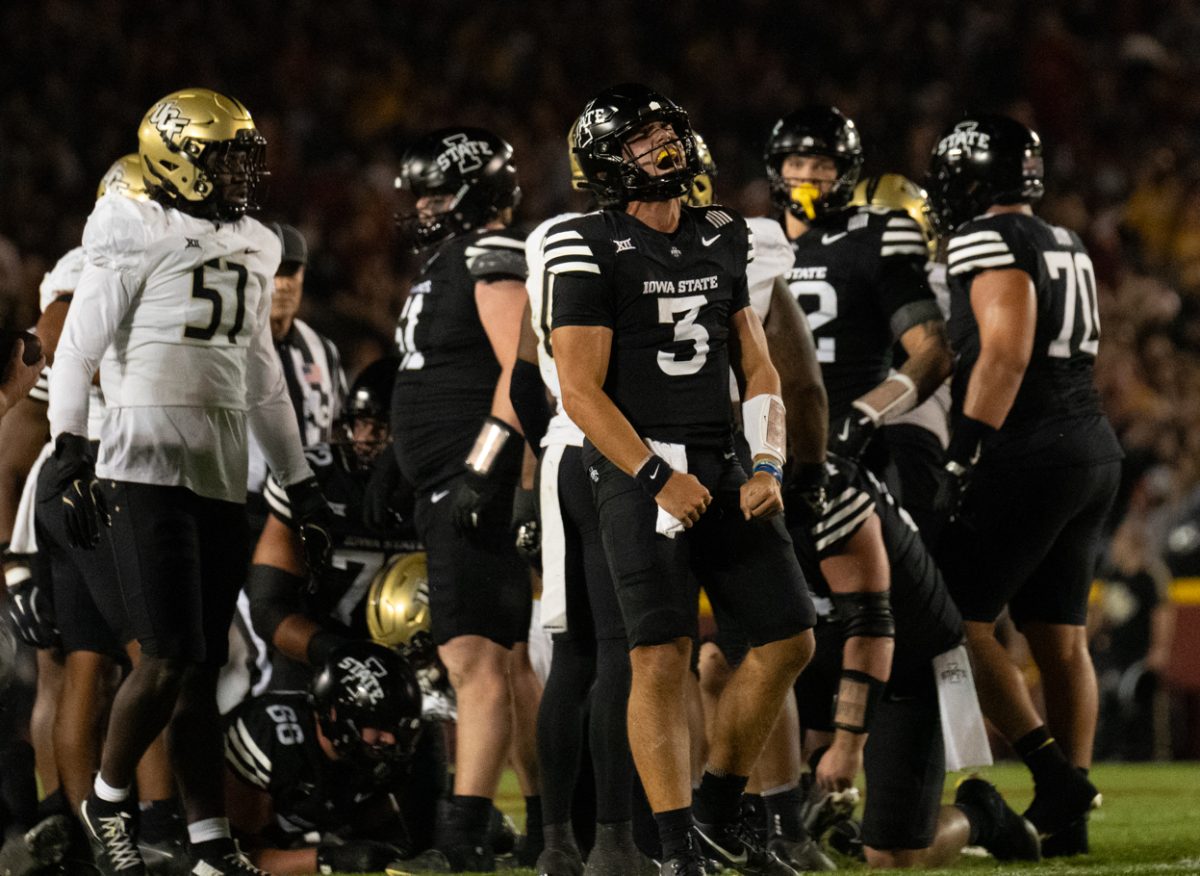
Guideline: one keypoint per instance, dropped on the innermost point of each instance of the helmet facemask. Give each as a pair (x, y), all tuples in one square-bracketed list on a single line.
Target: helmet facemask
[(807, 198), (235, 170)]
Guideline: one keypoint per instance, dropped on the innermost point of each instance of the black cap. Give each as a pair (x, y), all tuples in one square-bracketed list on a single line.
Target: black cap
[(295, 249)]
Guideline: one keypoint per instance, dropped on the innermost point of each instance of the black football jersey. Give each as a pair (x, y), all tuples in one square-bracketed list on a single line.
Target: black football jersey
[(358, 553), (271, 744), (1056, 415), (448, 371), (859, 276), (668, 299)]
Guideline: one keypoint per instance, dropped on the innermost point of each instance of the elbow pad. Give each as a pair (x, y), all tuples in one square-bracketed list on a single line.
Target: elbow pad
[(865, 614)]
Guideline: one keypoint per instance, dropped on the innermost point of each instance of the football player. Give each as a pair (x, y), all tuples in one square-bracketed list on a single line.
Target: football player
[(18, 376), (859, 275), (457, 440), (1033, 464), (578, 605), (330, 759), (301, 619), (650, 309), (174, 300)]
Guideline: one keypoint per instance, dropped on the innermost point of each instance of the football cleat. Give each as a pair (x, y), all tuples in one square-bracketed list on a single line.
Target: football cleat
[(734, 846), (452, 859), (804, 855), (112, 833), (1008, 836), (168, 857), (1053, 811), (614, 853), (559, 862), (1072, 840), (43, 845)]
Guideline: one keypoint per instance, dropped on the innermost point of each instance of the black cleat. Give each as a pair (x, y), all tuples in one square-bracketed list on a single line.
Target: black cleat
[(1008, 836), (229, 863), (614, 853), (804, 855), (1072, 840), (559, 862), (734, 846), (452, 859), (112, 833), (43, 845), (1053, 811), (168, 857)]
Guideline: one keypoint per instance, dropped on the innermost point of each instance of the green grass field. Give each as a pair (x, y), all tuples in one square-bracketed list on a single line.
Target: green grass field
[(1150, 821)]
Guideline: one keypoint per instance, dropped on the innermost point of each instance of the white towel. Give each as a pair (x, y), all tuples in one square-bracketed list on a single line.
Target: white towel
[(554, 544), (963, 734), (676, 457), (24, 541)]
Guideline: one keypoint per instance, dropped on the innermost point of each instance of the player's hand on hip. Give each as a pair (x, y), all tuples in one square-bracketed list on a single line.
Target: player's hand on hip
[(761, 496), (313, 521), (83, 505), (684, 498)]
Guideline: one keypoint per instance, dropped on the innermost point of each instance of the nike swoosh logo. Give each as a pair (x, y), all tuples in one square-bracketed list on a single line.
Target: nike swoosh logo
[(654, 473), (438, 496), (709, 241), (830, 238), (731, 859)]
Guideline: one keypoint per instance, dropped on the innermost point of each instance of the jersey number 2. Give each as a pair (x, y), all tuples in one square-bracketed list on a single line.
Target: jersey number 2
[(681, 313), (216, 297)]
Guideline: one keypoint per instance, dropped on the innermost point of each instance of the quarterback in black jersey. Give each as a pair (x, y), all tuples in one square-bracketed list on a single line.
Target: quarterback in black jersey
[(457, 440), (1033, 465), (302, 620), (344, 757), (650, 310)]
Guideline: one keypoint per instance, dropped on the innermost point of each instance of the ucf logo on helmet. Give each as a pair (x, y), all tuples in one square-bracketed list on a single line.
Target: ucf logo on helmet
[(964, 136), (365, 675), (169, 120), (467, 154)]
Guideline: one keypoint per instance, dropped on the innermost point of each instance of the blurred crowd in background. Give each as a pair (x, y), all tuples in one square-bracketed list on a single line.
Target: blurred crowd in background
[(339, 90)]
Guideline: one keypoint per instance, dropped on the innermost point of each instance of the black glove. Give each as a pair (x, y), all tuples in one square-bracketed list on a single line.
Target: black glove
[(356, 856), (379, 501), (31, 610), (526, 526), (74, 477), (805, 493), (849, 438), (313, 521), (966, 446), (473, 505)]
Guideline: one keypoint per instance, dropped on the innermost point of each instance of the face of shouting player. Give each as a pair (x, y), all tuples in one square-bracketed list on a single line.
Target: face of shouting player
[(656, 149)]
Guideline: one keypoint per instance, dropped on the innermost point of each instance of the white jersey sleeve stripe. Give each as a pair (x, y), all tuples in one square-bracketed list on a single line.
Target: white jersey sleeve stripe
[(557, 251), (905, 249), (979, 249), (823, 527), (848, 526), (508, 242), (902, 236), (901, 222), (252, 748), (988, 262), (277, 499), (572, 267), (977, 237), (561, 236), (241, 758)]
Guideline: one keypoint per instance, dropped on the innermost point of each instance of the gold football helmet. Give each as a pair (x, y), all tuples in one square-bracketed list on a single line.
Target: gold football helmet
[(701, 193), (898, 192), (398, 606), (578, 180), (202, 154), (124, 178)]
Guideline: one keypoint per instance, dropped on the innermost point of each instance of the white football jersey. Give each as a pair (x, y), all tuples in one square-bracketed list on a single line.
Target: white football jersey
[(63, 277), (561, 429), (175, 311), (773, 257)]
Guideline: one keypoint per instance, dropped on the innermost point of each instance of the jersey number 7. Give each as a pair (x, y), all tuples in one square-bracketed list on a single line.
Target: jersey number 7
[(219, 270)]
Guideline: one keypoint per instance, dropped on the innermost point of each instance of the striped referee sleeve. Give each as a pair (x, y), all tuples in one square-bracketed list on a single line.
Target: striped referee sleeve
[(247, 759), (902, 237), (566, 252), (277, 499), (977, 251)]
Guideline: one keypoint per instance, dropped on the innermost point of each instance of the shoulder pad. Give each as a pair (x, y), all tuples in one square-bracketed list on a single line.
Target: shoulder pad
[(496, 254), (63, 277), (268, 240), (119, 230), (980, 245), (574, 246)]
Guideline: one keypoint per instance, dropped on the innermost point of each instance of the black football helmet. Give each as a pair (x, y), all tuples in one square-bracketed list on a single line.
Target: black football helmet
[(472, 167), (370, 398), (983, 160), (364, 685), (815, 130), (608, 121)]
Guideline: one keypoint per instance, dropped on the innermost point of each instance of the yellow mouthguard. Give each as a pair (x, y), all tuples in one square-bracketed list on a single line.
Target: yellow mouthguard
[(806, 195)]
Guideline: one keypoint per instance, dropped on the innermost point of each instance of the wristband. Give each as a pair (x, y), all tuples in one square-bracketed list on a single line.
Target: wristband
[(770, 467), (653, 474), (967, 443), (854, 704)]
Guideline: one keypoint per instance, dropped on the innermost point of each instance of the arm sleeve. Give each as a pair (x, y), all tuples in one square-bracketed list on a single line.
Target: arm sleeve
[(270, 413), (528, 396), (579, 295), (903, 285), (102, 298)]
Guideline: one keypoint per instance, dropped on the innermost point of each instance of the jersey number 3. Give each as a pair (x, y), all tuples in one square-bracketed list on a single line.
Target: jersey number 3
[(688, 350), (226, 320)]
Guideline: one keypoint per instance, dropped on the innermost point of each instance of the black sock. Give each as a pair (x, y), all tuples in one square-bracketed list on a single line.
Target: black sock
[(718, 798), (53, 804), (161, 820), (675, 831), (783, 814), (214, 848), (472, 816), (1041, 754), (533, 819)]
